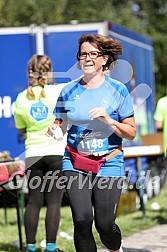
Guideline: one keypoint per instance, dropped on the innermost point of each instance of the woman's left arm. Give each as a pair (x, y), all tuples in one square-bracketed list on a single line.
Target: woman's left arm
[(125, 129)]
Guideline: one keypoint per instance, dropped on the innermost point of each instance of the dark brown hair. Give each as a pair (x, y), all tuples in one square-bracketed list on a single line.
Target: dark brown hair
[(108, 46), (38, 68)]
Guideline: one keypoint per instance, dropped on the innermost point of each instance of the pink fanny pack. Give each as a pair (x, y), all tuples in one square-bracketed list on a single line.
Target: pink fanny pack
[(89, 163)]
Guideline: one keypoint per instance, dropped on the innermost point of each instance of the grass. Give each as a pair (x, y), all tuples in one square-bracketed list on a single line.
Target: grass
[(129, 224)]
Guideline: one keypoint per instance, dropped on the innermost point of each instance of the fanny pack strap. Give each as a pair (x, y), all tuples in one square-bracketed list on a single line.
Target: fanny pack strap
[(114, 153)]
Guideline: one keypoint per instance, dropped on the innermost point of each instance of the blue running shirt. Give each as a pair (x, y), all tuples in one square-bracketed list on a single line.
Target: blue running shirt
[(94, 136)]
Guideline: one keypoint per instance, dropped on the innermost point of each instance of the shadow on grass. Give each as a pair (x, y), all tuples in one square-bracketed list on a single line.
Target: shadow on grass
[(8, 247), (161, 217), (12, 223)]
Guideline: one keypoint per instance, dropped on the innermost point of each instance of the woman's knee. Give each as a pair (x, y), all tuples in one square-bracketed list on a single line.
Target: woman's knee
[(83, 224), (105, 227)]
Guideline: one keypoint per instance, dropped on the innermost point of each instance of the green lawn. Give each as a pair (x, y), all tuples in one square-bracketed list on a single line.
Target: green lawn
[(129, 224)]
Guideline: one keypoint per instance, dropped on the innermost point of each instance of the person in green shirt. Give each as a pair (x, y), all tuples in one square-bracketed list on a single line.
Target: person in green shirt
[(160, 117), (33, 113)]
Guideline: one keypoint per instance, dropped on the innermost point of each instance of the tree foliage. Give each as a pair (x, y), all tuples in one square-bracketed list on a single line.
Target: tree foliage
[(146, 17)]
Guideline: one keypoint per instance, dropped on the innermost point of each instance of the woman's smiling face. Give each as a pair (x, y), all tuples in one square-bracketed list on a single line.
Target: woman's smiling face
[(91, 59)]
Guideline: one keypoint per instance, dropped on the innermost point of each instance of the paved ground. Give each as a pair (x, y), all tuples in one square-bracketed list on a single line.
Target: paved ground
[(151, 240)]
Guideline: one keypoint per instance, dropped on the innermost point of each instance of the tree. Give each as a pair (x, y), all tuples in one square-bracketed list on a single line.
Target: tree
[(146, 17)]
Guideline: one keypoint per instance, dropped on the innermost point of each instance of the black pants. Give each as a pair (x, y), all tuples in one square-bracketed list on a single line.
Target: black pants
[(104, 197), (43, 187)]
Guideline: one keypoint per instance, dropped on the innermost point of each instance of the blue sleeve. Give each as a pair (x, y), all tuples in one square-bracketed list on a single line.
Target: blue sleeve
[(59, 111), (126, 106)]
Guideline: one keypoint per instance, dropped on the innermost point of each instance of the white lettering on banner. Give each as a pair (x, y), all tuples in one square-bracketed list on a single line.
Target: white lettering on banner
[(5, 107), (12, 108)]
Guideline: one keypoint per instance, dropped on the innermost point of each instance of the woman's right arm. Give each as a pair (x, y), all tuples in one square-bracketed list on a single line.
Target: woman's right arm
[(57, 123)]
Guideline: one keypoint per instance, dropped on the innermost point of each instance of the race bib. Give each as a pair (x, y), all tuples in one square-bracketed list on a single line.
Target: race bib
[(95, 146)]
